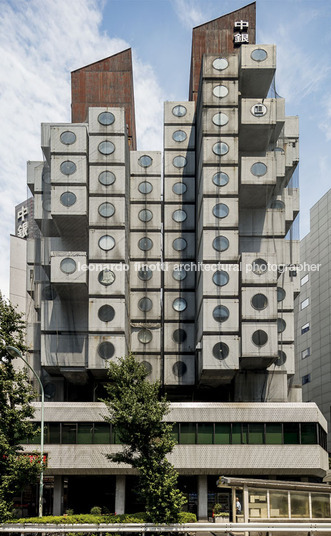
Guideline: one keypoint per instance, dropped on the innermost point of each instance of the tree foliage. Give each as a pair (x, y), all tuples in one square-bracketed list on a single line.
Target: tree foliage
[(16, 394), (136, 412)]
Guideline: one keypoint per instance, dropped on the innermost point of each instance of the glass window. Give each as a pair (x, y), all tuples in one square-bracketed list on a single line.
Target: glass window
[(220, 91), (259, 169), (68, 167), (106, 350), (175, 432), (53, 432), (107, 178), (106, 313), (281, 325), (179, 369), (145, 336), (68, 265), (273, 435), (220, 243), (179, 305), (179, 161), (308, 433), (47, 203), (278, 503), (221, 313), (220, 351), (179, 135), (281, 294), (205, 433), (145, 161), (145, 273), (320, 503), (106, 277), (106, 147), (106, 118), (291, 433), (236, 434), (179, 188), (179, 244), (305, 328), (145, 244), (259, 54), (220, 148), (220, 119), (46, 176), (145, 304), (179, 274), (257, 505), (220, 178), (68, 199), (305, 353), (179, 216), (277, 204), (106, 210), (256, 433), (145, 187), (258, 110), (220, 64), (259, 301), (85, 433), (145, 215), (49, 293), (281, 359), (222, 433), (221, 278), (187, 433), (69, 433), (179, 336), (299, 504), (148, 367), (304, 303), (304, 280), (259, 337), (101, 433), (259, 266), (68, 137), (220, 210), (179, 110), (106, 242)]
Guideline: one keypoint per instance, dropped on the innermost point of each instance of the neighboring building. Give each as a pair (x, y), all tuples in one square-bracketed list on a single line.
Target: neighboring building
[(313, 308), (221, 337)]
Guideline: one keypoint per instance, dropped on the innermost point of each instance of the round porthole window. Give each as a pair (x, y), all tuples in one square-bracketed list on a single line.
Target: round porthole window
[(220, 64), (179, 188), (106, 147), (106, 277), (106, 178), (220, 243), (106, 313), (281, 325), (259, 266), (179, 305), (179, 135), (179, 274), (259, 169), (145, 304), (106, 350), (220, 91), (259, 337), (145, 187), (106, 210), (106, 242), (68, 137), (179, 216), (68, 167), (281, 359), (220, 119), (179, 244), (47, 203), (220, 350), (179, 335), (68, 265), (221, 278), (179, 369), (49, 293), (145, 161), (46, 176), (281, 294), (145, 244), (220, 210), (68, 199), (259, 302), (106, 118), (220, 178), (220, 148), (179, 110), (148, 367), (179, 161), (259, 110), (221, 313), (277, 204), (145, 273), (145, 215), (259, 54), (145, 336)]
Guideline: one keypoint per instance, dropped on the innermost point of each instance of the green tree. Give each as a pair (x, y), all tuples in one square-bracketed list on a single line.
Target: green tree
[(16, 394), (136, 411)]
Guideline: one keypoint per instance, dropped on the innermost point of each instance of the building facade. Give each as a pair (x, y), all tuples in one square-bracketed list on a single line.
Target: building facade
[(182, 258)]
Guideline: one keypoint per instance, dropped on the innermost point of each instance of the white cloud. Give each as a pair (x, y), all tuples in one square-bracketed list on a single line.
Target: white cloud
[(190, 12), (41, 42)]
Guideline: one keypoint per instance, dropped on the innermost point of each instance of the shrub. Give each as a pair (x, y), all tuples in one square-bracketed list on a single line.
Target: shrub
[(69, 512), (187, 517), (95, 511), (217, 509)]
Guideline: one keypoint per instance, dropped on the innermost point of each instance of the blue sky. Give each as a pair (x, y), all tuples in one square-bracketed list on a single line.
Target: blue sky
[(41, 41)]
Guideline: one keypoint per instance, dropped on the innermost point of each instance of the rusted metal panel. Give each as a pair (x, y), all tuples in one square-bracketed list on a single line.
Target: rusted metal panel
[(108, 82), (217, 37)]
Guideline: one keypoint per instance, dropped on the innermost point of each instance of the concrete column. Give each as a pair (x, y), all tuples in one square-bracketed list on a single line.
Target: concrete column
[(57, 496), (120, 494), (202, 498)]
